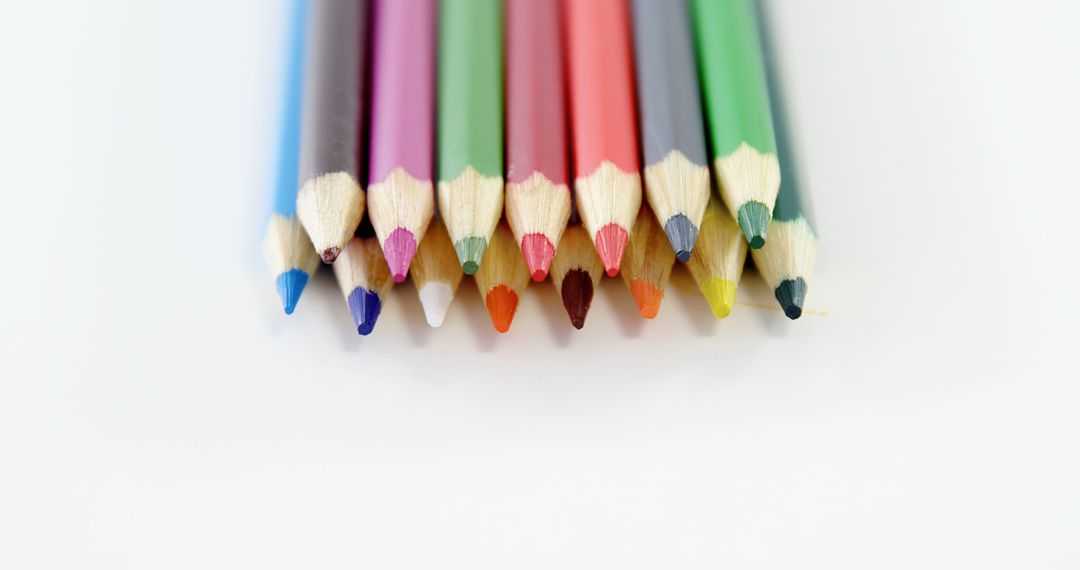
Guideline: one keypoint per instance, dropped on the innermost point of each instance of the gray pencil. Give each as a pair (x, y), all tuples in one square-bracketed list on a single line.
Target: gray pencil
[(330, 202), (672, 132)]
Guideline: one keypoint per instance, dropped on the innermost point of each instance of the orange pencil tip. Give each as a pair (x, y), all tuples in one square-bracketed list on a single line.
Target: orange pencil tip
[(647, 296), (501, 304)]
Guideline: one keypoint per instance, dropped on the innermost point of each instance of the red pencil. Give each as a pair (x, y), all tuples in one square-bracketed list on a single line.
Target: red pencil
[(603, 122), (537, 174)]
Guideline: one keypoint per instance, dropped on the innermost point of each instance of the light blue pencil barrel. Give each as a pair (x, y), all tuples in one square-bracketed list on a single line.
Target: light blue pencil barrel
[(289, 252)]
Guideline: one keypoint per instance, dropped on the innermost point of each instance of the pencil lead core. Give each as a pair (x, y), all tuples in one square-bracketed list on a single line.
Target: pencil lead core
[(792, 294), (289, 286), (754, 220), (682, 233)]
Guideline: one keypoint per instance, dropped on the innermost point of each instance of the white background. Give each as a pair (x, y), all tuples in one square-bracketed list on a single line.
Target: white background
[(158, 411)]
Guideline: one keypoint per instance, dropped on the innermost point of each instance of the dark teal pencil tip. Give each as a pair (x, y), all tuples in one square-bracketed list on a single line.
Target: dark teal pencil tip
[(791, 294), (682, 233), (754, 220), (289, 287), (364, 306)]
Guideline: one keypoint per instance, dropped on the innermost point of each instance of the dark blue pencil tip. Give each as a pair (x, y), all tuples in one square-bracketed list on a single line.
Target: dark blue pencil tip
[(791, 294), (289, 287), (682, 233), (364, 306)]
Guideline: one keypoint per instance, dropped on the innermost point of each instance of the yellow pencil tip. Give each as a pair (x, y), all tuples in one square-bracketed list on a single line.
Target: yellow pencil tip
[(720, 293)]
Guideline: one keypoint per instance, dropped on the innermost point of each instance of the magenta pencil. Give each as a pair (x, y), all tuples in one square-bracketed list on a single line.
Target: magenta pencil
[(401, 196), (537, 189)]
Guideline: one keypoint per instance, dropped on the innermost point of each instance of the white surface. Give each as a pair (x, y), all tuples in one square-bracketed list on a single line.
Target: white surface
[(157, 410)]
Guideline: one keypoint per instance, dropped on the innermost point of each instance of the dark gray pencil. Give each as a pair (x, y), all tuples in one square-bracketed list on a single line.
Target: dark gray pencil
[(672, 132), (330, 202)]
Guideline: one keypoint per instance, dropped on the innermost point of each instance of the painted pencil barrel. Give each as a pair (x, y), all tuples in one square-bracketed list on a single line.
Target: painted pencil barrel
[(286, 246), (330, 201), (737, 111), (401, 197), (470, 117), (603, 121), (537, 169), (788, 258), (672, 133)]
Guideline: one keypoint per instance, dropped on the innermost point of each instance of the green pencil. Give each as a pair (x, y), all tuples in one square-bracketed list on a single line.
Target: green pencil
[(470, 124), (738, 116), (788, 258)]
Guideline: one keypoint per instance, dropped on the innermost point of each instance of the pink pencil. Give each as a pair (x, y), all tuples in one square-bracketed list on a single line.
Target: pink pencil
[(401, 196), (537, 188)]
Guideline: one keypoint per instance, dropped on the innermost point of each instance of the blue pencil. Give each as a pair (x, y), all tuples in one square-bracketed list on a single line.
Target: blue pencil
[(288, 249)]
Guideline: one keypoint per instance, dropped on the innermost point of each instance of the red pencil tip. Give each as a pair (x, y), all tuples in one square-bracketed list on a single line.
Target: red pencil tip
[(610, 244), (501, 303), (399, 249), (647, 296), (538, 252)]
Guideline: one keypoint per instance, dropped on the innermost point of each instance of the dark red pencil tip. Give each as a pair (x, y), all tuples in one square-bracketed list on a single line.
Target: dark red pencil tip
[(577, 294)]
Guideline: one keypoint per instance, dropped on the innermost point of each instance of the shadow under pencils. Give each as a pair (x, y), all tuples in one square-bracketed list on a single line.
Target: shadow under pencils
[(476, 312), (420, 335), (621, 303), (555, 316)]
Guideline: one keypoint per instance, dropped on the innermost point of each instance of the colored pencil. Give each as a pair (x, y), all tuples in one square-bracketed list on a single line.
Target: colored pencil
[(788, 257), (364, 279), (576, 272), (470, 116), (737, 109), (436, 272), (718, 260), (288, 250), (502, 277), (647, 264), (401, 198), (672, 133), (603, 122), (537, 173), (330, 202)]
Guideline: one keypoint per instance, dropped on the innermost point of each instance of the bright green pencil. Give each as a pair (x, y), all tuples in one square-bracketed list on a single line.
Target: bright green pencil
[(739, 119), (470, 124)]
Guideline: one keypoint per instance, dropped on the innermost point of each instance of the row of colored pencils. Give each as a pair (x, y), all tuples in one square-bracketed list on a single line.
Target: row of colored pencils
[(414, 98)]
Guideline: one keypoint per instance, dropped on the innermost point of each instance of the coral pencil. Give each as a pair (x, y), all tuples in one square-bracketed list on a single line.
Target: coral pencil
[(470, 118), (737, 110), (401, 198), (502, 277), (603, 121), (364, 279), (576, 272), (788, 257), (672, 133), (330, 202), (718, 260), (537, 169), (286, 245), (436, 272), (647, 264)]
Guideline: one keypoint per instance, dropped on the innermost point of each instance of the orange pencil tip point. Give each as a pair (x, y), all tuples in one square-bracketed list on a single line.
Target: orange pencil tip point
[(501, 304), (647, 296)]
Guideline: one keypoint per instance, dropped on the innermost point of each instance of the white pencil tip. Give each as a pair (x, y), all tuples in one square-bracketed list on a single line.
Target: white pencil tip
[(436, 297)]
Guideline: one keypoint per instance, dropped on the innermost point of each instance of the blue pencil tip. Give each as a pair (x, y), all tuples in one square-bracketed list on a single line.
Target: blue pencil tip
[(364, 306), (289, 287)]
